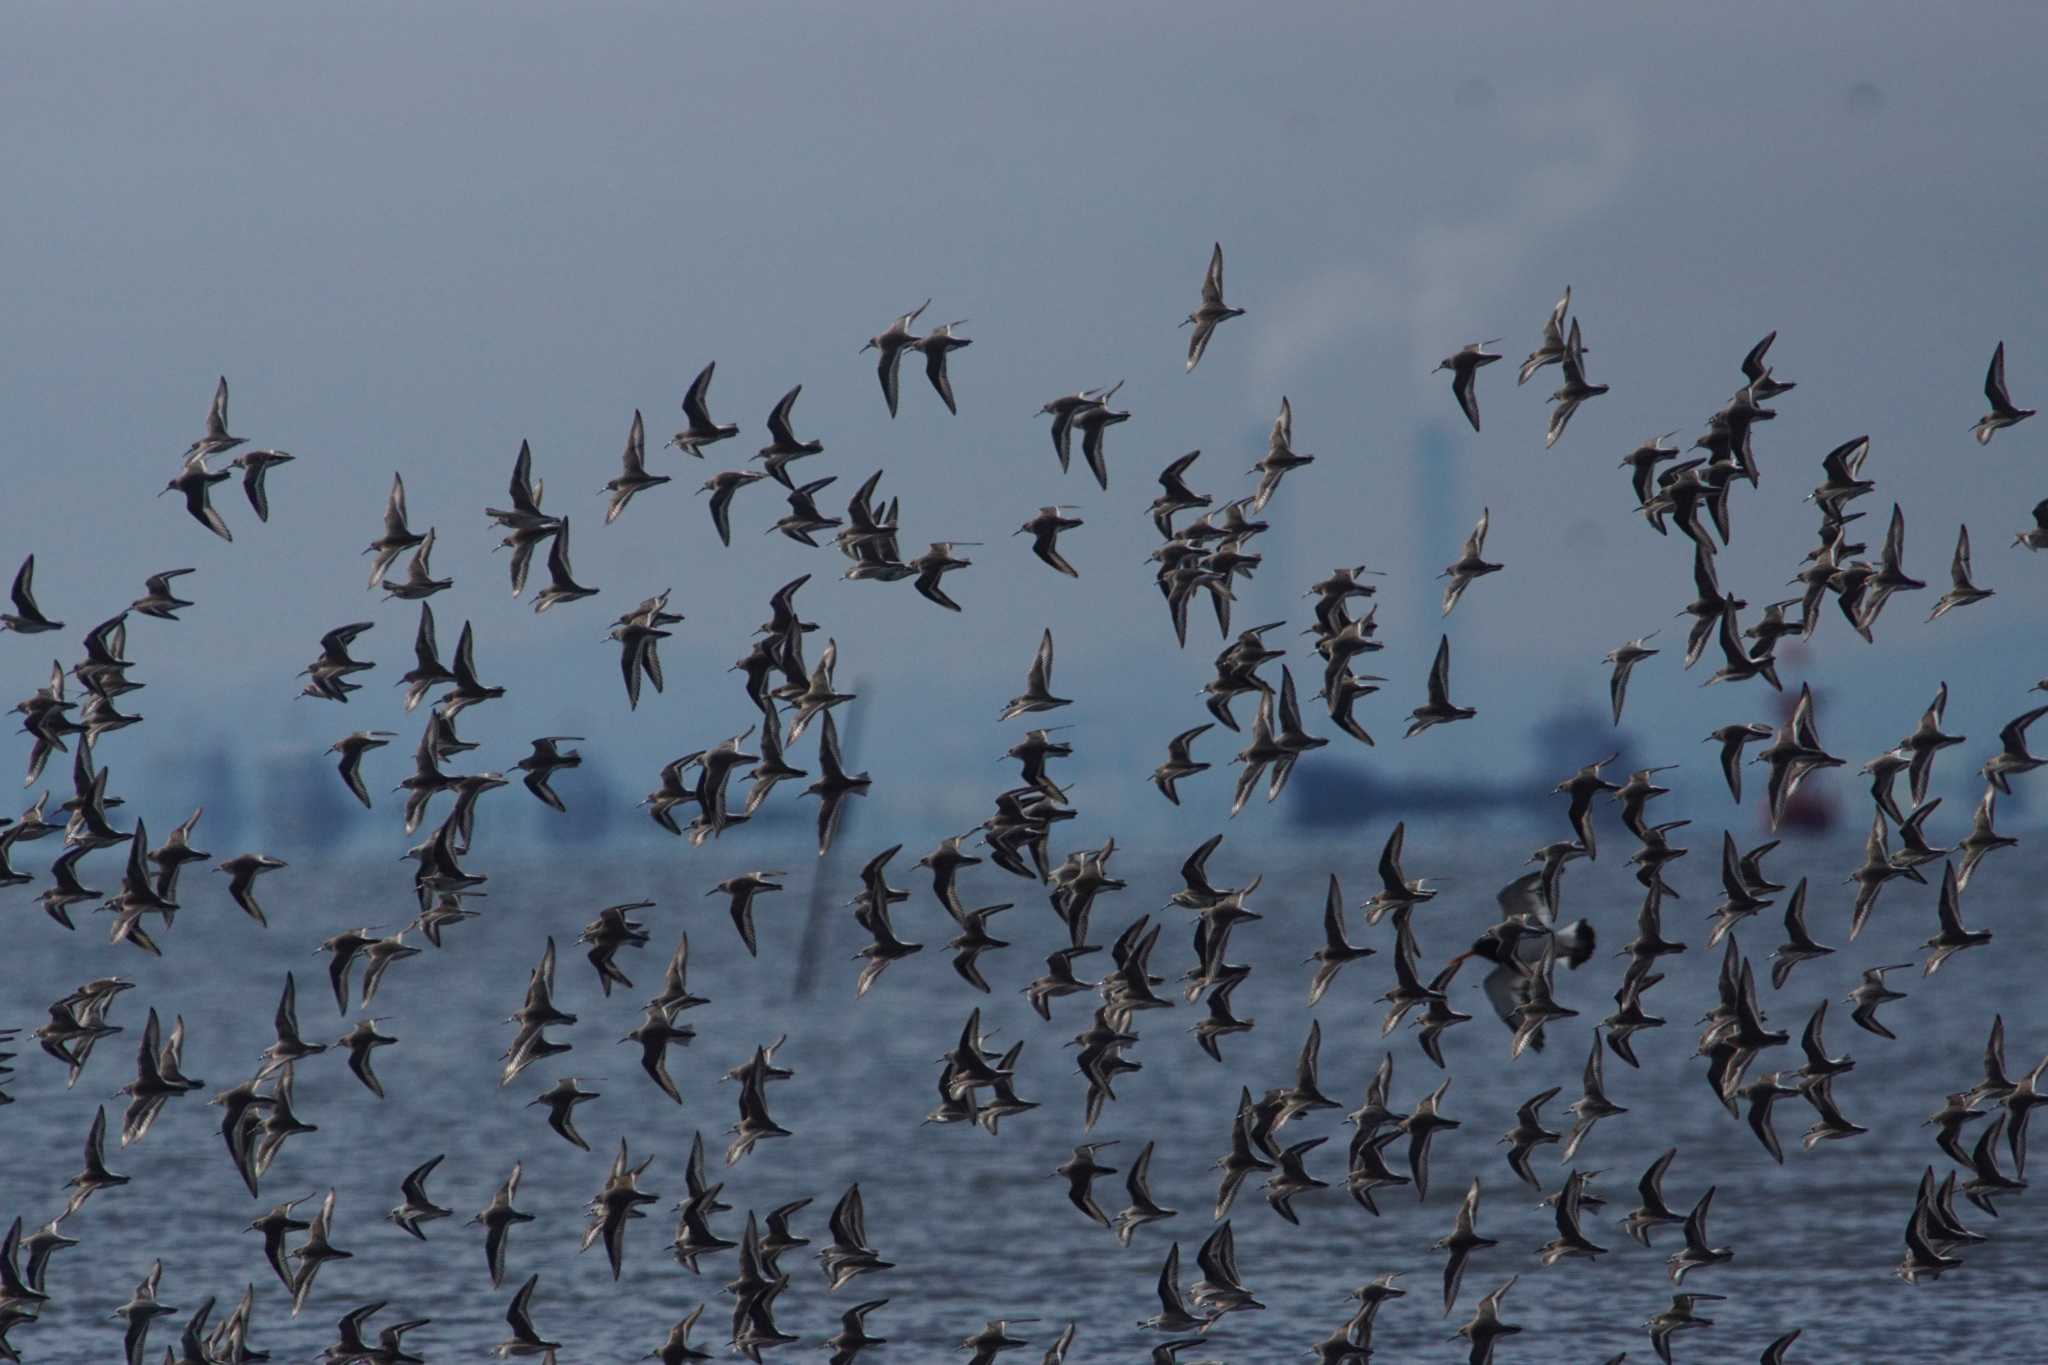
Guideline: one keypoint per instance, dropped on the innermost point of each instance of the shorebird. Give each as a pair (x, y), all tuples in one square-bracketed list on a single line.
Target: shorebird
[(1551, 351), (1870, 994), (974, 940), (1212, 312), (158, 599), (1624, 659), (1293, 1179), (1337, 949), (992, 1340), (803, 520), (1982, 838), (1241, 1160), (742, 890), (1396, 891), (1582, 787), (275, 1226), (342, 950), (1761, 381), (1461, 1242), (317, 1250), (2002, 415), (1095, 419), (1680, 1316), (561, 1099), (1176, 496), (633, 476), (1733, 739), (1832, 1124), (2013, 756), (656, 1032), (1651, 1211), (1696, 1252), (427, 672), (834, 783), (1180, 762), (1643, 462), (1486, 1329), (416, 1207), (1280, 457), (1527, 1134), (702, 430), (1890, 576), (1799, 946), (1571, 1240), (1471, 564), (850, 1253), (361, 1041), (256, 466), (2035, 537), (525, 1341), (1079, 1170), (1962, 592), (1575, 390), (289, 1048), (27, 618), (1591, 1106), (1464, 368), (143, 1308), (562, 585), (217, 441), (1221, 1289), (195, 483), (1952, 937), (1795, 752), (1065, 410), (398, 536), (819, 693), (852, 1337), (1439, 709), (784, 446), (639, 638), (544, 762), (932, 565), (352, 748), (1174, 1315), (936, 345), (525, 493), (1044, 530), (1037, 694), (1987, 1180), (96, 1176), (497, 1220), (1421, 1128), (419, 582), (890, 345), (722, 486), (1143, 1208)]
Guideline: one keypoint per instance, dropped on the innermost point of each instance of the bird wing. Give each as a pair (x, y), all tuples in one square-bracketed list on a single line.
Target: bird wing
[(693, 401), (1994, 381)]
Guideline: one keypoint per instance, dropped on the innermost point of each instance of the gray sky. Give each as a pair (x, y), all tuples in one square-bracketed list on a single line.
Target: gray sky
[(413, 236)]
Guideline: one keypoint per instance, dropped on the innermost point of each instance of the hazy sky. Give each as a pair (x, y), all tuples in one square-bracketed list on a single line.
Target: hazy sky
[(413, 235)]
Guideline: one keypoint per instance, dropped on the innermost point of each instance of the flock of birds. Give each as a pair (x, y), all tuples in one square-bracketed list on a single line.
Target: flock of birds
[(1199, 556)]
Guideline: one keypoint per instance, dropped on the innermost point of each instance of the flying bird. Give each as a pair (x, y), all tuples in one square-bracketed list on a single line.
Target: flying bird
[(890, 346), (1464, 368), (2002, 415), (1213, 311)]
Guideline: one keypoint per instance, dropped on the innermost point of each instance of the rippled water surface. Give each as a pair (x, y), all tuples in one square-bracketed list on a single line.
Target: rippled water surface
[(976, 1225)]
